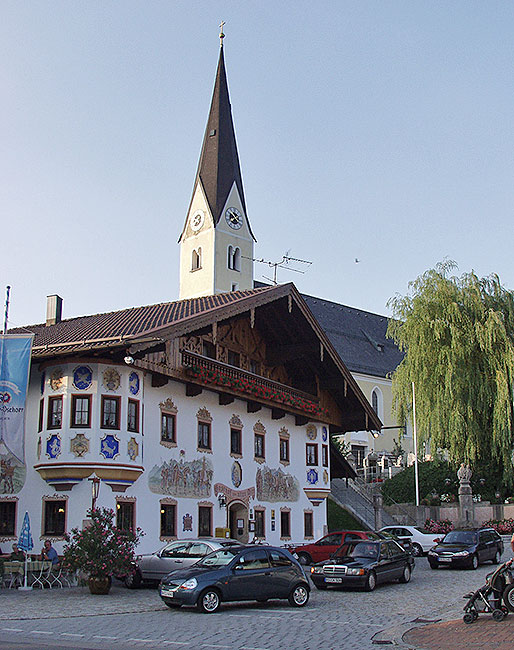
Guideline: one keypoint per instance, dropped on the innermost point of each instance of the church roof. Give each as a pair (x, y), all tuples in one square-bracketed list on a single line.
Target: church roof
[(218, 168), (358, 336)]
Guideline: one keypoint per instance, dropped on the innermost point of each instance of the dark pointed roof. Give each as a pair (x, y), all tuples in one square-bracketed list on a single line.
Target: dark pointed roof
[(219, 166)]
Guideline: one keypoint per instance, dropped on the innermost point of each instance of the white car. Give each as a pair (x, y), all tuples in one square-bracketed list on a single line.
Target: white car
[(422, 541)]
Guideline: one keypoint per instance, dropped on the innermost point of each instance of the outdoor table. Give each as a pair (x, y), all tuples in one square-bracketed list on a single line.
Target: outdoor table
[(15, 570)]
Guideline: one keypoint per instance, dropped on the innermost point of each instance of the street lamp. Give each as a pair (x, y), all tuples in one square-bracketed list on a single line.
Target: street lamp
[(95, 489)]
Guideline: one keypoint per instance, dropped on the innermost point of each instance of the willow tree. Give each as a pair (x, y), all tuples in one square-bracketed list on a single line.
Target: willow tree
[(458, 337)]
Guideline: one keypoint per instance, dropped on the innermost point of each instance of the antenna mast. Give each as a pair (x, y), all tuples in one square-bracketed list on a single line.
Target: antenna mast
[(283, 263)]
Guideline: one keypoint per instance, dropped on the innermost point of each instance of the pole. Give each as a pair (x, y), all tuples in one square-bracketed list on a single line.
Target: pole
[(6, 315), (416, 477)]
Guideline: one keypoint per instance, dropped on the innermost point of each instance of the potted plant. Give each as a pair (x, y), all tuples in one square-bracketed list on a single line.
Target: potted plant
[(101, 550)]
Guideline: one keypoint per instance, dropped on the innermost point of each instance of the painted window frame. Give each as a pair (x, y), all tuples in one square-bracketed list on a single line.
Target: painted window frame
[(203, 529), (74, 399), (58, 532), (8, 524), (55, 399), (285, 523), (324, 456), (308, 524), (311, 454), (116, 399), (124, 505), (134, 403)]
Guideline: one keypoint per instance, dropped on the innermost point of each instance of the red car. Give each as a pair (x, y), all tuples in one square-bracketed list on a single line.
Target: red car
[(324, 547)]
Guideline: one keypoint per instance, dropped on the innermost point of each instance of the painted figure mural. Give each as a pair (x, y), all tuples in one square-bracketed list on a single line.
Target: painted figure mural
[(182, 479), (275, 485)]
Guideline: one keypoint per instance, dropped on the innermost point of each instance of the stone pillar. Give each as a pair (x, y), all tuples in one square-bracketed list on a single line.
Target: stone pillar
[(377, 506), (466, 507)]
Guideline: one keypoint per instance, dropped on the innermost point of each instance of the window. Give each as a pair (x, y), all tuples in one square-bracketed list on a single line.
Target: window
[(196, 260), (168, 520), (110, 412), (234, 258), (208, 350), (198, 549), (80, 410), (54, 518), (41, 414), (324, 455), (204, 435), (254, 366), (311, 454), (308, 524), (133, 415), (259, 523), (359, 452), (284, 450), (259, 445), (234, 358), (54, 412), (376, 401), (285, 523), (204, 521), (279, 559), (125, 515), (168, 431), (7, 518), (235, 442), (255, 559)]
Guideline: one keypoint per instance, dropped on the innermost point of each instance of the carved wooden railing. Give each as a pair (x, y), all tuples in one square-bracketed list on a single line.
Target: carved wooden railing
[(210, 371)]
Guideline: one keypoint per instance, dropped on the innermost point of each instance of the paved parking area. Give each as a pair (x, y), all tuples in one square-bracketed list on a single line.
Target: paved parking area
[(332, 619)]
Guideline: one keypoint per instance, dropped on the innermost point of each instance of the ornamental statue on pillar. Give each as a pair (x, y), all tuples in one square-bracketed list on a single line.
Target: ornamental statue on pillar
[(466, 508)]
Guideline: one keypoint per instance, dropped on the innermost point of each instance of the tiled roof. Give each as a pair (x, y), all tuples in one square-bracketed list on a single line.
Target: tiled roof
[(104, 330), (358, 336)]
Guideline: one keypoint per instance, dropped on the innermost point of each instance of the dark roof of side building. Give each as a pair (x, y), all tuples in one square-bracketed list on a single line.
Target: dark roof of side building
[(358, 336)]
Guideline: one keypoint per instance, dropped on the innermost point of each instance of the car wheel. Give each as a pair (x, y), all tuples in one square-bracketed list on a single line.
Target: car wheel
[(474, 562), (496, 558), (209, 601), (406, 574), (304, 559), (371, 581), (417, 551), (133, 580), (508, 597), (299, 596)]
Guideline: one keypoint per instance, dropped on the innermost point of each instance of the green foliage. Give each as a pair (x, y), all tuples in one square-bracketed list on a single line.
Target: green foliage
[(340, 519), (458, 335), (101, 549)]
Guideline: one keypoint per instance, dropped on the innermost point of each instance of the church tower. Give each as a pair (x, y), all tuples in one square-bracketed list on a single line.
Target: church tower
[(216, 244)]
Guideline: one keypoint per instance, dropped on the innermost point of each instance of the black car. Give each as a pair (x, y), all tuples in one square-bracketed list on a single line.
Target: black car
[(364, 564), (236, 573), (467, 548)]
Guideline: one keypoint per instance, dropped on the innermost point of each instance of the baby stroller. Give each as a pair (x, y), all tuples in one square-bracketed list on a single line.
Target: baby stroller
[(490, 597)]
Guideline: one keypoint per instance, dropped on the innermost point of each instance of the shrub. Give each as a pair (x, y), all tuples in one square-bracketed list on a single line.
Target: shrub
[(438, 527), (504, 526)]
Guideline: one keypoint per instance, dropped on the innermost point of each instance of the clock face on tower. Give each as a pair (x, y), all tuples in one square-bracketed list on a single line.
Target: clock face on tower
[(197, 220), (234, 218)]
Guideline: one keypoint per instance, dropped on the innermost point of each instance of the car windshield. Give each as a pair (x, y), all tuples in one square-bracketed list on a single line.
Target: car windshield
[(218, 558), (459, 537), (358, 549)]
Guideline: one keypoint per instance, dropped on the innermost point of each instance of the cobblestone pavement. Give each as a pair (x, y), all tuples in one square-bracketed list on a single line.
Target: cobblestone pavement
[(333, 619)]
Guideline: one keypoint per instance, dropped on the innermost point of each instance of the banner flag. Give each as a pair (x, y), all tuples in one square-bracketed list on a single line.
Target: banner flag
[(15, 351)]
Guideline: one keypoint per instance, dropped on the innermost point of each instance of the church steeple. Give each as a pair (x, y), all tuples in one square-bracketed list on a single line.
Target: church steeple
[(217, 241)]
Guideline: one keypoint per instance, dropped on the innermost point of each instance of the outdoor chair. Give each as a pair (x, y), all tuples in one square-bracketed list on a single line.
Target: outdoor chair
[(40, 571)]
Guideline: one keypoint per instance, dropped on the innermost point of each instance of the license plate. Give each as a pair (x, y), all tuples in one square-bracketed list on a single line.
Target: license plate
[(167, 592), (334, 580), (445, 559)]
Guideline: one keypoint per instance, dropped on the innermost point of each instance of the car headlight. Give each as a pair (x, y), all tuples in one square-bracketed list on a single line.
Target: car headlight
[(461, 554), (316, 569), (189, 584), (354, 572)]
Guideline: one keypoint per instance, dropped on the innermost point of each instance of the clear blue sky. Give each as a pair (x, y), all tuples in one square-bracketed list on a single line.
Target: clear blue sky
[(378, 130)]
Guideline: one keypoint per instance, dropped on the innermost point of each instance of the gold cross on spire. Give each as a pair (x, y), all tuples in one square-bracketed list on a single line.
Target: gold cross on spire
[(222, 35)]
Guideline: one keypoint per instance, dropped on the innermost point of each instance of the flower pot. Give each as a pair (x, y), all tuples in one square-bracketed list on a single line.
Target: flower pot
[(99, 585)]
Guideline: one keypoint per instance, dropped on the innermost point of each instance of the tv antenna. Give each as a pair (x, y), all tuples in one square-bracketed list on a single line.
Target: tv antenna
[(284, 263)]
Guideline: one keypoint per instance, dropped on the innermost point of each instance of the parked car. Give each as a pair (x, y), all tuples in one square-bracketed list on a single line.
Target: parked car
[(422, 541), (175, 555), (365, 564), (404, 542), (237, 573), (328, 544), (467, 548)]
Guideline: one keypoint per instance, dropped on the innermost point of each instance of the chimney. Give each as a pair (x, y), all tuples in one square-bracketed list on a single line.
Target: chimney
[(53, 309)]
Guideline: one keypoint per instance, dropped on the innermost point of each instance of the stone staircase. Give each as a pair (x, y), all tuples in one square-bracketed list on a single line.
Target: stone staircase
[(357, 498)]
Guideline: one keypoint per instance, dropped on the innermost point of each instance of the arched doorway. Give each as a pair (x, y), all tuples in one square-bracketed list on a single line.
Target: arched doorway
[(238, 521)]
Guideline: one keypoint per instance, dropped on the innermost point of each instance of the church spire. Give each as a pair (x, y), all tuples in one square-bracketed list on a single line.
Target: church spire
[(219, 168)]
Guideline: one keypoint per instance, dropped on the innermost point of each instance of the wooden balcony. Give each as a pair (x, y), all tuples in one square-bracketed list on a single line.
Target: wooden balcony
[(254, 387)]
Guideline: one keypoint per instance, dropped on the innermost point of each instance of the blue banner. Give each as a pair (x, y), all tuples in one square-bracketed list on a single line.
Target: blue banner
[(15, 350)]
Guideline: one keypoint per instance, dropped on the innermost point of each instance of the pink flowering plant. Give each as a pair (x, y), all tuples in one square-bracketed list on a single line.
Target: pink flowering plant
[(101, 549), (438, 527), (503, 526)]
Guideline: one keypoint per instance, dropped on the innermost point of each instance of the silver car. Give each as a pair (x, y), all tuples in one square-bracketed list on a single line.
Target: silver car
[(180, 554)]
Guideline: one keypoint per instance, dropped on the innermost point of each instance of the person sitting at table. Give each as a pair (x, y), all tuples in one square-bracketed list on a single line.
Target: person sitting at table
[(17, 554), (49, 553)]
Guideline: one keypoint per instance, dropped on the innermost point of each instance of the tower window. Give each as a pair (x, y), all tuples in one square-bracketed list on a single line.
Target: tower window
[(196, 260), (234, 258)]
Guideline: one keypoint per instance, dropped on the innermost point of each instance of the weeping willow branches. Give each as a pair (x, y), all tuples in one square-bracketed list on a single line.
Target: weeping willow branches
[(458, 336)]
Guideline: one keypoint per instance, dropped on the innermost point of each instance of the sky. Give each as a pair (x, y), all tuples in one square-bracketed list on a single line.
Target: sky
[(376, 130)]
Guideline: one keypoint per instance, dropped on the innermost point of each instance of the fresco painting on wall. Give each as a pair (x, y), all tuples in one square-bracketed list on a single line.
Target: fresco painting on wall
[(182, 479), (12, 474), (275, 485)]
